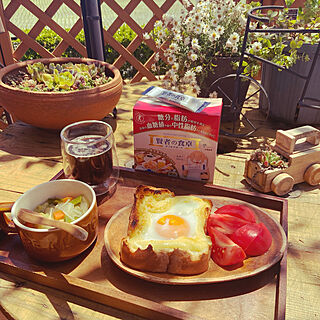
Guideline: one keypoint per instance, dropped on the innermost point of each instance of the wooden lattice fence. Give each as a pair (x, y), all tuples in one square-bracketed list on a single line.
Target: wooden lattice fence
[(45, 19)]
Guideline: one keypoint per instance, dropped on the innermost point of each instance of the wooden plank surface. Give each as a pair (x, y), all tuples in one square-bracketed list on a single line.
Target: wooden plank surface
[(19, 170), (94, 275)]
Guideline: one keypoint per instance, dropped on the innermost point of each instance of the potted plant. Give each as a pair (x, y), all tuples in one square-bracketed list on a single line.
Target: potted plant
[(204, 43), (52, 93), (296, 53)]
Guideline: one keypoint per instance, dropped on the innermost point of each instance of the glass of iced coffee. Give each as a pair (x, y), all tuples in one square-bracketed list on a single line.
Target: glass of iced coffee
[(89, 154)]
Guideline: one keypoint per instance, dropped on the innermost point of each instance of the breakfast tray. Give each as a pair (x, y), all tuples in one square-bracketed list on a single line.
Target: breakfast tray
[(93, 275)]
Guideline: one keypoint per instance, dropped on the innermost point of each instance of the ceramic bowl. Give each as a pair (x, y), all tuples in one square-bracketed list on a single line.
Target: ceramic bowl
[(55, 110), (54, 244)]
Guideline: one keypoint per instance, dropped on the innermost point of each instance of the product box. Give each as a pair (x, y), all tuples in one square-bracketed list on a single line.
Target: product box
[(176, 142)]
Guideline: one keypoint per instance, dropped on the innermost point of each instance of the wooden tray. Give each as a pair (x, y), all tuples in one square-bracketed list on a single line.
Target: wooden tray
[(93, 275)]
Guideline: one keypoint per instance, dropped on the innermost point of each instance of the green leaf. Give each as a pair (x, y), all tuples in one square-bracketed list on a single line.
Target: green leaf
[(293, 44)]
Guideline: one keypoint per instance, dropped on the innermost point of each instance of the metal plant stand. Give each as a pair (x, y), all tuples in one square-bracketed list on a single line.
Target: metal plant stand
[(234, 103)]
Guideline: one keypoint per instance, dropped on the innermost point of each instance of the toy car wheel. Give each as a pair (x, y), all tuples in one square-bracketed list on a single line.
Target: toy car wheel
[(282, 184), (312, 174)]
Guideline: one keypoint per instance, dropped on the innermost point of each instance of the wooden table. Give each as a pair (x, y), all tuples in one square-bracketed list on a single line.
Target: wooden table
[(29, 156)]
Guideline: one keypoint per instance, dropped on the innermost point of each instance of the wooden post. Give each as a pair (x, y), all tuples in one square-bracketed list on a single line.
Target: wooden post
[(6, 54)]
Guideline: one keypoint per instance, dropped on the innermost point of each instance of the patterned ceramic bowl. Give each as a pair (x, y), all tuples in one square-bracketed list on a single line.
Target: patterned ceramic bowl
[(55, 244)]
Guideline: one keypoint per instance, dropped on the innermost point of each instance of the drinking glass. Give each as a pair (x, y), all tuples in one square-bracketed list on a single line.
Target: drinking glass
[(89, 154)]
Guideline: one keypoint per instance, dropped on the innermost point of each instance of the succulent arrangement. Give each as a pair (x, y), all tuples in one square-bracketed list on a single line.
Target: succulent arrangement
[(269, 159), (59, 77)]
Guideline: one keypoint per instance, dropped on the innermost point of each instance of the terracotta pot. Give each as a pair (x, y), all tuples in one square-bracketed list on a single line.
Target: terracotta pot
[(55, 110)]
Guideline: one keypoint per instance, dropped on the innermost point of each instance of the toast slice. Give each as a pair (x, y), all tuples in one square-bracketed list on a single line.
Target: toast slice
[(166, 233)]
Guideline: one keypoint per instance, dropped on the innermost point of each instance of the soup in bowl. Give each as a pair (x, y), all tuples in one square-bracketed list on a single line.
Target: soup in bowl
[(52, 244)]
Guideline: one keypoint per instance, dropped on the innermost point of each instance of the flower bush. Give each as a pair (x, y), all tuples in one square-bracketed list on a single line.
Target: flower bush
[(283, 48), (193, 40)]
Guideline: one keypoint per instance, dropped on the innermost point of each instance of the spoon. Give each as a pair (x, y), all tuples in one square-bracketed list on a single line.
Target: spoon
[(36, 218)]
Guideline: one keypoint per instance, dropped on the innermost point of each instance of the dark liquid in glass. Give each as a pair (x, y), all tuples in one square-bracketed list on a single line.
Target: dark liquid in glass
[(90, 163)]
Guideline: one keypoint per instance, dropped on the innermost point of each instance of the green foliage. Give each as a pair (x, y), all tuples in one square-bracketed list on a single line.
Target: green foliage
[(50, 40), (56, 77)]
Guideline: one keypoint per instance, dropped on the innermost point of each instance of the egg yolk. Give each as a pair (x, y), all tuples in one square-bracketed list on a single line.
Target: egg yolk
[(172, 227)]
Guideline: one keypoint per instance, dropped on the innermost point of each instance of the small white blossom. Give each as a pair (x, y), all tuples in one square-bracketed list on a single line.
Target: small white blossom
[(157, 57), (194, 57), (214, 22), (174, 47), (229, 44), (158, 24), (158, 43), (186, 41), (198, 69), (196, 90), (256, 46), (220, 29), (161, 34), (195, 44), (198, 30), (171, 59), (146, 36), (234, 37), (214, 36), (189, 76), (175, 66)]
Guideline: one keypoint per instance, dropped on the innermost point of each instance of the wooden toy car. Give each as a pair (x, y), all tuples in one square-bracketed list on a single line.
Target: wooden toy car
[(300, 147)]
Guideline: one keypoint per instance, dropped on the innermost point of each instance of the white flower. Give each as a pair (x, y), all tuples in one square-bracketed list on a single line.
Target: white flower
[(178, 37), (196, 89), (214, 22), (158, 24), (171, 59), (229, 44), (146, 36), (175, 66), (195, 44), (153, 67), (174, 47), (167, 18), (234, 37), (214, 35), (186, 3), (256, 46), (205, 28), (234, 49), (220, 29), (194, 57), (186, 41), (198, 29), (198, 69), (161, 34), (157, 57), (189, 76)]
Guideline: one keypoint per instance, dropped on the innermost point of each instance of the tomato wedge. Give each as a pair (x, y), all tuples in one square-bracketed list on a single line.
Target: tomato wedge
[(254, 238), (225, 223), (238, 210), (224, 251)]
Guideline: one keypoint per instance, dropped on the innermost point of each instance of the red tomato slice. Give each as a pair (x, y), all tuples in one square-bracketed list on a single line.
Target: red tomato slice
[(239, 211), (225, 223), (224, 251), (254, 238)]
